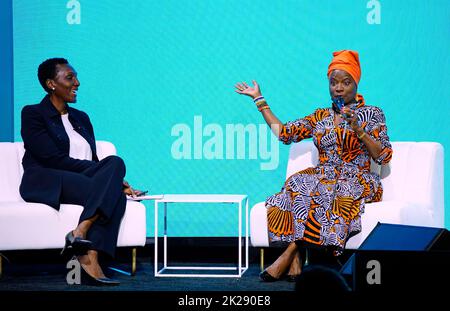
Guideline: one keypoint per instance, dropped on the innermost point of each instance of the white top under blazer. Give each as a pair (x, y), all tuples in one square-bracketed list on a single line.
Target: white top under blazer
[(79, 147)]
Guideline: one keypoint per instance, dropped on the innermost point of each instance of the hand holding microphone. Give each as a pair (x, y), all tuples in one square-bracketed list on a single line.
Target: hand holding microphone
[(348, 114)]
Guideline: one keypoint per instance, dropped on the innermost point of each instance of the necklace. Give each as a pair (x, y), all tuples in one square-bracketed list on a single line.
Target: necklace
[(64, 110)]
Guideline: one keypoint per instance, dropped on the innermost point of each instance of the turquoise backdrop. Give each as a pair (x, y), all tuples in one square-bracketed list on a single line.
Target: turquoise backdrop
[(149, 69)]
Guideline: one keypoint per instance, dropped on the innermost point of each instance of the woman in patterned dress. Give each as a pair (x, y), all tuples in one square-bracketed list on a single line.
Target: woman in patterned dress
[(322, 205)]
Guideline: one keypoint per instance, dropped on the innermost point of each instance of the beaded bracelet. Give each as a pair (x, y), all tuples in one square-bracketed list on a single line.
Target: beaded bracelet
[(261, 103), (263, 107), (258, 98)]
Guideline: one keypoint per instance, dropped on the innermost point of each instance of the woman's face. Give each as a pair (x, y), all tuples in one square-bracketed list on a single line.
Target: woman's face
[(342, 84), (65, 83)]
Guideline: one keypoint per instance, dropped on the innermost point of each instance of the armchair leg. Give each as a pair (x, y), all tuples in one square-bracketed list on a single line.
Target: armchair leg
[(261, 258), (306, 258), (133, 265), (133, 261)]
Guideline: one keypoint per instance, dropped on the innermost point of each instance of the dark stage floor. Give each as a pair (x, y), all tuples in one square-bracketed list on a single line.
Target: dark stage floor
[(45, 270), (44, 283), (45, 277), (40, 277)]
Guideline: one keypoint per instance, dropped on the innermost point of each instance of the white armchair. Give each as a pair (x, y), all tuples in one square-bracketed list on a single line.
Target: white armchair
[(413, 184), (20, 220)]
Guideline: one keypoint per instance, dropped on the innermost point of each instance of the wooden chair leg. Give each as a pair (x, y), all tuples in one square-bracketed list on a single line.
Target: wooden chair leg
[(133, 261), (133, 265), (261, 258)]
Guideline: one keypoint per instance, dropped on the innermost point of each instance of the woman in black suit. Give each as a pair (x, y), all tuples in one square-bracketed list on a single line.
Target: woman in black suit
[(61, 166)]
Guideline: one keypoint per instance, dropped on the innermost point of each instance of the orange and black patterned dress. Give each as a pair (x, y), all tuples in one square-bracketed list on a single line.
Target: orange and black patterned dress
[(323, 204)]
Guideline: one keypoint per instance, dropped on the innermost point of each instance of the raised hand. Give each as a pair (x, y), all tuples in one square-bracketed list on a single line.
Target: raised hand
[(243, 88)]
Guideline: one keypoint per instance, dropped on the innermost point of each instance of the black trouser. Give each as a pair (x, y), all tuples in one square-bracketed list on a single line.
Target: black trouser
[(99, 190)]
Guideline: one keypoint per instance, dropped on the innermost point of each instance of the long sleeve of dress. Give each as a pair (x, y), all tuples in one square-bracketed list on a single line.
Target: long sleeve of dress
[(377, 129), (295, 131)]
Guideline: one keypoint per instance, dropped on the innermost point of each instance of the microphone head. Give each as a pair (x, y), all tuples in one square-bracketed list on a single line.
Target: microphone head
[(338, 102)]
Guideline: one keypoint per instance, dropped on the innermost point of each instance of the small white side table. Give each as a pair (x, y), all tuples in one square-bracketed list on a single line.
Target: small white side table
[(166, 271)]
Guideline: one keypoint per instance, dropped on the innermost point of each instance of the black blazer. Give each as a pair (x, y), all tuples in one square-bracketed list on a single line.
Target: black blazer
[(47, 147)]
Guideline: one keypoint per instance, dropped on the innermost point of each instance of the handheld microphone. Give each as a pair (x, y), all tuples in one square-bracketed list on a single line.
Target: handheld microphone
[(338, 102)]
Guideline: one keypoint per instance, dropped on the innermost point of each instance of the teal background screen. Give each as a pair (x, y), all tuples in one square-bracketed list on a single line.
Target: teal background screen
[(150, 68)]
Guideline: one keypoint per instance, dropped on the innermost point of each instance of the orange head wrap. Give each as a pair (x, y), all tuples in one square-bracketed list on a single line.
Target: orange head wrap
[(348, 61)]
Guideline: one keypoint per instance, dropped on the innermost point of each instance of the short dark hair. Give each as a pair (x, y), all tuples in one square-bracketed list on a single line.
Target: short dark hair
[(47, 70)]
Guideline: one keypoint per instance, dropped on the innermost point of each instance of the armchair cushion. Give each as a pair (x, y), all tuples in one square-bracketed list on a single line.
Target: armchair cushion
[(26, 225), (413, 189)]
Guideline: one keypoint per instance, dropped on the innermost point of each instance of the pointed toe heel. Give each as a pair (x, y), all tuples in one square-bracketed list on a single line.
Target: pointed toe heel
[(292, 278), (76, 245), (266, 277), (87, 279), (107, 282)]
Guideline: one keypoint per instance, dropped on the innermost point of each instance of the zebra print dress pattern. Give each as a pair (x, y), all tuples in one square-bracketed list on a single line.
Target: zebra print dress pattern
[(322, 205)]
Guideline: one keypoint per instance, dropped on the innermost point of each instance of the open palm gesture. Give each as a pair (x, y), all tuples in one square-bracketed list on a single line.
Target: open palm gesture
[(243, 88)]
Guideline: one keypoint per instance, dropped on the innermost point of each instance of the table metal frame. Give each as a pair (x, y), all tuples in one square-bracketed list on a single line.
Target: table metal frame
[(202, 198)]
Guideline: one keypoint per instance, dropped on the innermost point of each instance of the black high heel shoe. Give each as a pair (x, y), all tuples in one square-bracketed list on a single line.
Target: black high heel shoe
[(266, 277), (76, 245), (87, 279), (292, 277)]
